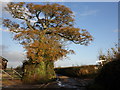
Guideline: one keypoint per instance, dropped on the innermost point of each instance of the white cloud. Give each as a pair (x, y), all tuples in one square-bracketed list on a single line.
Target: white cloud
[(74, 13), (5, 30), (90, 12), (116, 30), (6, 0), (14, 57)]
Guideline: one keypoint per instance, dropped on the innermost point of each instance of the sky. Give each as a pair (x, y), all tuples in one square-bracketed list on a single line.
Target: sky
[(60, 0), (99, 18)]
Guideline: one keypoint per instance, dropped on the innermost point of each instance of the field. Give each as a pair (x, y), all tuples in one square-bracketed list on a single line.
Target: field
[(86, 71)]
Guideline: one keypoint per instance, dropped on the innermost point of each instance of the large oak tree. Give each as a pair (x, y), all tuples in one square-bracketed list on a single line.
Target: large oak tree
[(44, 30)]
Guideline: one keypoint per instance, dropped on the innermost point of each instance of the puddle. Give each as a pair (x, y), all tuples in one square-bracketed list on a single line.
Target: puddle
[(59, 83)]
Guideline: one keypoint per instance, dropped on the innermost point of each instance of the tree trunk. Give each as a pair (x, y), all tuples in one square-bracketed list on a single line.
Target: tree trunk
[(38, 73)]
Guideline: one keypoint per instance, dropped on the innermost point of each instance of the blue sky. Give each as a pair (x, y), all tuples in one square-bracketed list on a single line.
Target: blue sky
[(99, 18)]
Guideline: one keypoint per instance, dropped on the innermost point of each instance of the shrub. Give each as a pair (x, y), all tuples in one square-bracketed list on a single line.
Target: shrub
[(38, 73), (109, 75), (109, 56)]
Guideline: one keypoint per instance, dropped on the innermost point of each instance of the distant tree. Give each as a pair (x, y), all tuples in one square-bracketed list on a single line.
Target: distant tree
[(44, 31), (110, 55)]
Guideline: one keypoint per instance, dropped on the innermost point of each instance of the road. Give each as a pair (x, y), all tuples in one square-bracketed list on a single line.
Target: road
[(69, 82), (61, 82)]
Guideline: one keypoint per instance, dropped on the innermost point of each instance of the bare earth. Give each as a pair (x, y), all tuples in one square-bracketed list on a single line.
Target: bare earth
[(62, 82)]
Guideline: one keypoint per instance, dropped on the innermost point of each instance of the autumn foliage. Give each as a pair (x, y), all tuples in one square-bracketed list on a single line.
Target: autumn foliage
[(44, 30)]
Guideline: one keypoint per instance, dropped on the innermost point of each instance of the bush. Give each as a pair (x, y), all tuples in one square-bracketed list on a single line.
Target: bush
[(38, 73), (109, 75)]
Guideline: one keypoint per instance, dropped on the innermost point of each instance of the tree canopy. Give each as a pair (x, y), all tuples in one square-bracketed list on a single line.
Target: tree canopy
[(44, 30)]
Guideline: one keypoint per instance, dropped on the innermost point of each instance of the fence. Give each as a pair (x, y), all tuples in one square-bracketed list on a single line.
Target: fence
[(10, 74)]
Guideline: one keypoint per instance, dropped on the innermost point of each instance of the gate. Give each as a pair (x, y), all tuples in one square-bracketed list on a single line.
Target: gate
[(10, 74)]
